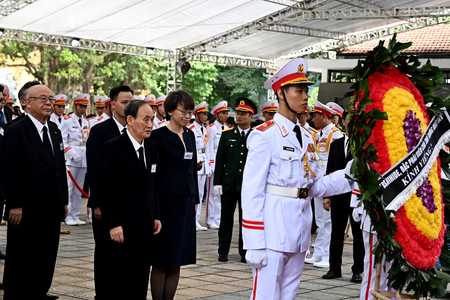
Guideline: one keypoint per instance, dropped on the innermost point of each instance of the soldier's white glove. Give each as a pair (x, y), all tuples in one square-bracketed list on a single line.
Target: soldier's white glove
[(256, 258), (218, 190), (208, 169), (76, 158), (357, 213), (348, 171)]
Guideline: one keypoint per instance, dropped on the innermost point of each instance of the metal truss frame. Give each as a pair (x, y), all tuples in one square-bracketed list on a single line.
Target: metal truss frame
[(9, 6), (305, 12), (36, 37), (353, 39)]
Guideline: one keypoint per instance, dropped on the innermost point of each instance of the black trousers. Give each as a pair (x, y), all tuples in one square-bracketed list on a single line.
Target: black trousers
[(228, 201), (129, 266), (101, 258), (340, 212), (31, 252)]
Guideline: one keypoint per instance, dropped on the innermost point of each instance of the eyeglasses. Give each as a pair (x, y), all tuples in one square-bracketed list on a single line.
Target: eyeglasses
[(185, 112), (44, 99)]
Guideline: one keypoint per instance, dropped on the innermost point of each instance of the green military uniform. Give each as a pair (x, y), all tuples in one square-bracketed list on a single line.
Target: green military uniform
[(230, 162)]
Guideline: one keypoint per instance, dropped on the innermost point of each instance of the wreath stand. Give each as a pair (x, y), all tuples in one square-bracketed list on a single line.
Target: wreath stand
[(385, 295)]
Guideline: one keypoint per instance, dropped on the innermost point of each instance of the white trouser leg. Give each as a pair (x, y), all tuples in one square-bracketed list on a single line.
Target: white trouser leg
[(323, 221), (201, 192), (212, 204), (74, 194), (368, 283), (279, 280)]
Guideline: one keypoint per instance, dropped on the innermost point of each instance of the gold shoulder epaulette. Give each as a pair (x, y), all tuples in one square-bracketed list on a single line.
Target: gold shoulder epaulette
[(337, 129), (228, 129), (313, 129), (265, 125)]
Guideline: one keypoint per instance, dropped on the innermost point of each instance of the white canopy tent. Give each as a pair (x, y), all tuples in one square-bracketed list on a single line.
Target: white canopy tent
[(235, 32)]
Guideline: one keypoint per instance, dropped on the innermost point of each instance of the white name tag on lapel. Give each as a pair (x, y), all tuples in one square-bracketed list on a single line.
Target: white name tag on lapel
[(188, 155), (153, 169)]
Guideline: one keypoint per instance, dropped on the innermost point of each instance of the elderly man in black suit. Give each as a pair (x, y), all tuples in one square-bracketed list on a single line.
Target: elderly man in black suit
[(100, 134), (36, 198), (128, 202)]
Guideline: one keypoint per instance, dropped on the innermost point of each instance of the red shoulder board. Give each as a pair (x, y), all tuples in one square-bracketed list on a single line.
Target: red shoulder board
[(191, 127), (265, 125), (66, 117), (211, 125)]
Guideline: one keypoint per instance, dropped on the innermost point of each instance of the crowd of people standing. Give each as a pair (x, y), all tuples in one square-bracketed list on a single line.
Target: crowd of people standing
[(149, 167)]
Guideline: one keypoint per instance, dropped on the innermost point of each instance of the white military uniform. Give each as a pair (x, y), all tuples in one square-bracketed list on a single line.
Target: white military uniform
[(212, 200), (57, 120), (201, 137), (310, 130), (99, 119), (74, 137), (277, 164), (370, 238), (157, 123), (323, 218)]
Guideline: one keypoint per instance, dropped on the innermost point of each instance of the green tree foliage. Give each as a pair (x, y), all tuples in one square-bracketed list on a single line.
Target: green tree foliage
[(200, 80), (234, 82)]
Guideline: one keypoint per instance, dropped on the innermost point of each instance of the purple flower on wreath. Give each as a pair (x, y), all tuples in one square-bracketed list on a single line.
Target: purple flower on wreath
[(413, 133)]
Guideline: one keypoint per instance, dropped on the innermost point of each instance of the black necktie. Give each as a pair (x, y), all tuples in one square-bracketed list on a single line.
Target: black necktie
[(79, 121), (123, 130), (298, 134), (201, 128), (59, 119), (46, 141), (2, 117), (141, 157), (243, 134), (222, 127)]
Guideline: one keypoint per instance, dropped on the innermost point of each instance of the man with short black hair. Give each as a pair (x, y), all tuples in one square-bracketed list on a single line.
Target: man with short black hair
[(101, 133), (131, 209), (32, 153)]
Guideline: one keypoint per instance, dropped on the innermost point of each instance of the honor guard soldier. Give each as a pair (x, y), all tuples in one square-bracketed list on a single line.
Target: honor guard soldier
[(269, 108), (215, 132), (229, 168), (59, 106), (322, 119), (75, 132), (160, 116), (303, 118), (151, 100), (103, 106), (201, 138), (280, 176), (338, 113)]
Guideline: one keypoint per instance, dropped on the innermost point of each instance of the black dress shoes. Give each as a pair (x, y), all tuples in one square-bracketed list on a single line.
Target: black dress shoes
[(356, 278), (51, 297), (223, 257), (331, 275)]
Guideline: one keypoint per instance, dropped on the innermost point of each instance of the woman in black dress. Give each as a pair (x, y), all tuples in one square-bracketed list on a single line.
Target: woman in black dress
[(178, 195)]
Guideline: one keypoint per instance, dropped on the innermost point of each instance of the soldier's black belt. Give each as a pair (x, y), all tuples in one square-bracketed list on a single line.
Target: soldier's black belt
[(287, 191)]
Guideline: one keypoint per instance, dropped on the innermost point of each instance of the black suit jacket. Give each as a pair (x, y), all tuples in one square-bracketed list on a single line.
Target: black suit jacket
[(34, 179), (128, 194), (98, 135), (338, 161), (176, 175), (8, 114)]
